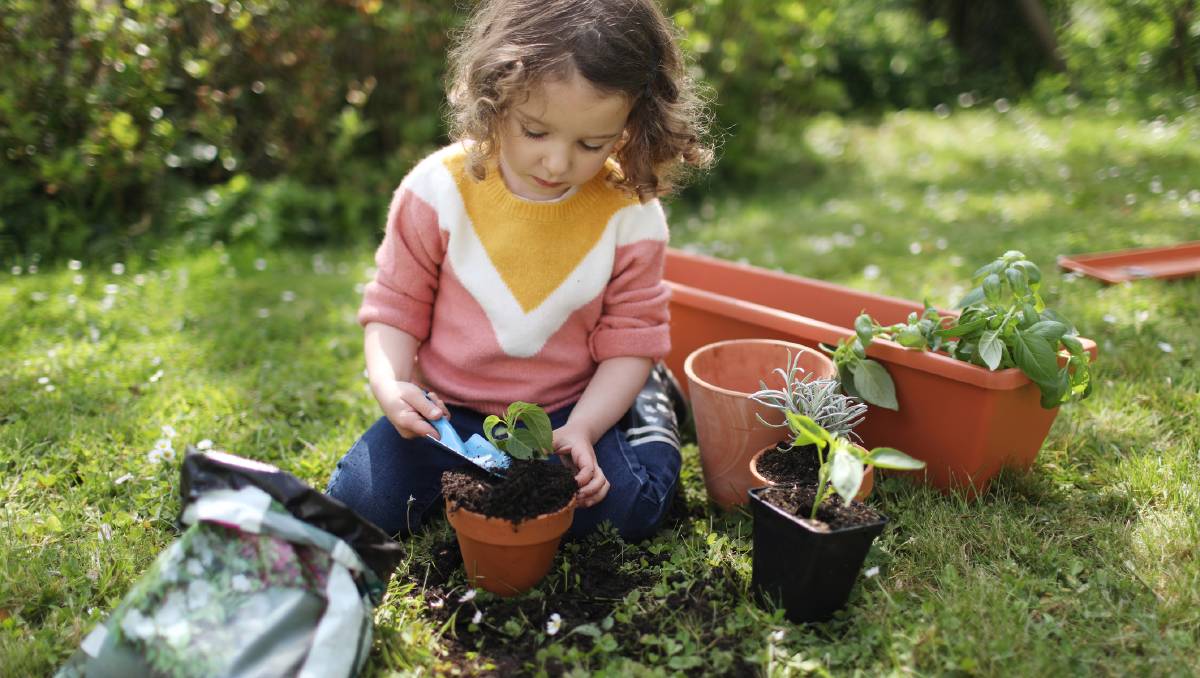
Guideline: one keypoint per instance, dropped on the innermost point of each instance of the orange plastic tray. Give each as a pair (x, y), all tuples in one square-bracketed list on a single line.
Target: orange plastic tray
[(1176, 261)]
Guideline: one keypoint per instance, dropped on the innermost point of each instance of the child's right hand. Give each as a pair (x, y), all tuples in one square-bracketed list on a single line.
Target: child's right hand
[(407, 407)]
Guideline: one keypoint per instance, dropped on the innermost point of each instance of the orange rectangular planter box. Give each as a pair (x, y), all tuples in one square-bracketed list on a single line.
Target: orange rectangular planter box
[(964, 421)]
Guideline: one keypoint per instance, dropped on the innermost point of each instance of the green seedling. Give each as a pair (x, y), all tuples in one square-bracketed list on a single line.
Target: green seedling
[(842, 462), (524, 432)]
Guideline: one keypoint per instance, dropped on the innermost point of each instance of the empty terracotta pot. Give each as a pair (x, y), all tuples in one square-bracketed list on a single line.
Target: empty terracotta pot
[(504, 557), (721, 377), (864, 491)]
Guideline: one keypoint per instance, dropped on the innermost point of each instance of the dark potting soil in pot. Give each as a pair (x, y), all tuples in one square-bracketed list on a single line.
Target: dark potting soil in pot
[(798, 500), (790, 466), (530, 489)]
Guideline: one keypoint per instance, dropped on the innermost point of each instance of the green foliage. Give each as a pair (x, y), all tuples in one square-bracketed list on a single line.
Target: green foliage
[(524, 432), (108, 109), (843, 462), (1004, 323), (815, 398)]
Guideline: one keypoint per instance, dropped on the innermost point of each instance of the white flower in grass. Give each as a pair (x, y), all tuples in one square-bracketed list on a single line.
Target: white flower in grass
[(478, 617), (288, 296), (78, 279), (49, 388), (553, 624), (871, 572), (205, 444), (240, 583), (123, 479), (1165, 347), (264, 313), (111, 289), (74, 264), (162, 444), (467, 597), (118, 268), (156, 376), (154, 456), (777, 636), (871, 272), (43, 380), (260, 264), (168, 430)]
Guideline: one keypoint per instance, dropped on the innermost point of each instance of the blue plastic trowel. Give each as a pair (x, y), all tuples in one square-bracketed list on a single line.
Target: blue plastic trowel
[(477, 450)]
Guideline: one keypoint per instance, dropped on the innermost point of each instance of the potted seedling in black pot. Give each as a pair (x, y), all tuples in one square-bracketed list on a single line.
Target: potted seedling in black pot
[(810, 540)]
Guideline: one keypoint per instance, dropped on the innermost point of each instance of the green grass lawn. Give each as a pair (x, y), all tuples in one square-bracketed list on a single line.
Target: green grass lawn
[(1087, 564)]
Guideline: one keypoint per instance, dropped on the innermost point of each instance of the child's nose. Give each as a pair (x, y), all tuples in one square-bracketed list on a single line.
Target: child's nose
[(557, 162)]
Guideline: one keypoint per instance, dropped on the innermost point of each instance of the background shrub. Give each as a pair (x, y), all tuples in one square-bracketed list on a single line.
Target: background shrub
[(293, 120)]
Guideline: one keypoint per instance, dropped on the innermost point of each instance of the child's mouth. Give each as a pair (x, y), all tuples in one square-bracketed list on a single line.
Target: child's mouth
[(548, 184)]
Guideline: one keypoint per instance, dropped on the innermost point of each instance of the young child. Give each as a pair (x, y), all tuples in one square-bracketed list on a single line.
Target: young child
[(525, 261)]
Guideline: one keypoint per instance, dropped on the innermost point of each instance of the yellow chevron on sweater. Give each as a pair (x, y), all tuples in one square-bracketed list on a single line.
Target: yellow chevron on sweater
[(534, 246)]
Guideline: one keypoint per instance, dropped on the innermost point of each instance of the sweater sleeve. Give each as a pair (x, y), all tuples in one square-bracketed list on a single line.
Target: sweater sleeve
[(407, 267), (634, 319)]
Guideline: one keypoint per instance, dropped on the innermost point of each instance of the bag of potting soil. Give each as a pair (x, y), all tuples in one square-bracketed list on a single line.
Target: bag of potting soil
[(269, 578)]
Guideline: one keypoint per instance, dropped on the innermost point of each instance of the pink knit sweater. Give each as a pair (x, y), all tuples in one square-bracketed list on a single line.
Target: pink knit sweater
[(513, 299)]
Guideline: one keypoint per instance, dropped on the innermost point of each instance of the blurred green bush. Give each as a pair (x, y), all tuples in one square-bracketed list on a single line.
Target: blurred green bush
[(292, 120)]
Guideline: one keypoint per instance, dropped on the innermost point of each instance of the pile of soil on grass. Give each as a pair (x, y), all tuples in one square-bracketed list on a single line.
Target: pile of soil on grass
[(608, 570), (529, 489), (790, 465), (798, 500)]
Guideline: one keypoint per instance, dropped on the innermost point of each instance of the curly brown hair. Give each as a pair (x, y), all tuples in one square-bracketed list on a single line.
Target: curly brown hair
[(508, 47)]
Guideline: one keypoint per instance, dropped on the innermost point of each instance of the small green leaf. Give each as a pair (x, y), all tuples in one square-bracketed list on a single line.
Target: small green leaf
[(805, 431), (518, 449), (1049, 330), (911, 337), (1035, 356), (958, 329), (971, 298), (991, 288), (864, 327), (891, 458), (991, 349), (489, 425), (845, 474), (528, 439), (875, 385)]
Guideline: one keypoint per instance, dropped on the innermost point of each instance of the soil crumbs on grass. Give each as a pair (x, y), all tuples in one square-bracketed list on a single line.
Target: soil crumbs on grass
[(798, 501), (590, 579), (790, 465), (530, 489)]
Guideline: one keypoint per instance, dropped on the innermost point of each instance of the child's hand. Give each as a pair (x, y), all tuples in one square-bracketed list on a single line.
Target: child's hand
[(578, 454), (406, 406)]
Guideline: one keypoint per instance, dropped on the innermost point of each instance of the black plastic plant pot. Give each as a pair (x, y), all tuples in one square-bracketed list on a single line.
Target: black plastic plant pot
[(808, 573)]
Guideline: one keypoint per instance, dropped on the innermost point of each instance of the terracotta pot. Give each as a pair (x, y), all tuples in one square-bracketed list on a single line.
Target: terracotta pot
[(864, 491), (964, 421), (720, 378), (504, 557)]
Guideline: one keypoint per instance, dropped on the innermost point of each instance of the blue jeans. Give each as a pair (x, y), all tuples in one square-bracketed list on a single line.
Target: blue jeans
[(396, 483)]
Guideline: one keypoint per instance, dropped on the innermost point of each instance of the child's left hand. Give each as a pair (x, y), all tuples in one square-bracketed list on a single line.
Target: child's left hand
[(578, 454)]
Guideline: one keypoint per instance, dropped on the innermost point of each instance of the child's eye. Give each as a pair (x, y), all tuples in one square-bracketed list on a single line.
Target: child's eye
[(533, 135), (591, 149)]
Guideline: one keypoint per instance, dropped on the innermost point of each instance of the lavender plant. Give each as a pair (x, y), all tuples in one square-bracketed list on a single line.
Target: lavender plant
[(819, 399)]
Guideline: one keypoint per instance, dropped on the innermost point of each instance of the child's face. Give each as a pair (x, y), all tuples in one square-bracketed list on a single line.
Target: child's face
[(560, 137)]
